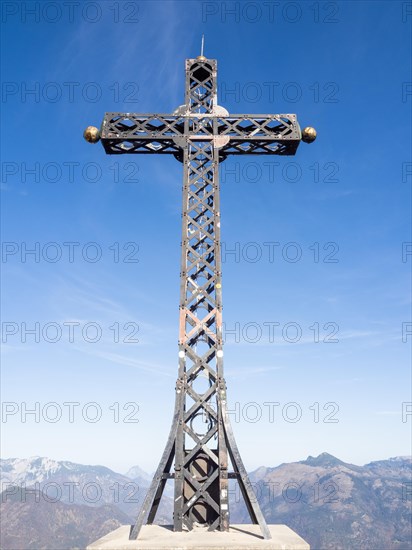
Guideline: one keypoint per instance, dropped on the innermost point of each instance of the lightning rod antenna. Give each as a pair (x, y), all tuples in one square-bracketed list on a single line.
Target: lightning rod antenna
[(203, 45)]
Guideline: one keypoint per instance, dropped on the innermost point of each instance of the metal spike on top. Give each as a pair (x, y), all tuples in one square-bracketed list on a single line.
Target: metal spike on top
[(201, 57)]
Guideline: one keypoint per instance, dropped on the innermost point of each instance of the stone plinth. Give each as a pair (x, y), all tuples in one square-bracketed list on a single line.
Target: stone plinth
[(239, 537)]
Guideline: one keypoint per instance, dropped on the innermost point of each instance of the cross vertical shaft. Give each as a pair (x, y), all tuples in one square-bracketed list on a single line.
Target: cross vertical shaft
[(201, 491)]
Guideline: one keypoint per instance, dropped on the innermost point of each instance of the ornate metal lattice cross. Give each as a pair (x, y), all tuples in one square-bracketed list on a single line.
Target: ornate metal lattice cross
[(200, 134)]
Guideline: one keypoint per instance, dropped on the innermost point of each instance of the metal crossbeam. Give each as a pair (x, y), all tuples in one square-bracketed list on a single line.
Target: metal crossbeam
[(201, 444), (253, 134)]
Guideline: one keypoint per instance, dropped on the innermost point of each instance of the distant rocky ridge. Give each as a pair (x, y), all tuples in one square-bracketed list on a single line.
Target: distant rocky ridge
[(331, 504), (72, 483), (28, 521), (49, 504), (335, 505)]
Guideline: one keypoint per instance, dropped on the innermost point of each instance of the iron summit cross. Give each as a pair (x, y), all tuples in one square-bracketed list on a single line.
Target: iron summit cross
[(200, 134)]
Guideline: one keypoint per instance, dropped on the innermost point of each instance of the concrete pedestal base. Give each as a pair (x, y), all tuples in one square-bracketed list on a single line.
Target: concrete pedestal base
[(239, 537)]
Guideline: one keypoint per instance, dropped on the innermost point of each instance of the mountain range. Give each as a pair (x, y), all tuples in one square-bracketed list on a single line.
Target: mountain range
[(48, 504)]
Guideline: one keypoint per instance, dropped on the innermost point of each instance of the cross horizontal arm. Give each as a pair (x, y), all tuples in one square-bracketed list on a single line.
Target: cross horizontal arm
[(235, 134)]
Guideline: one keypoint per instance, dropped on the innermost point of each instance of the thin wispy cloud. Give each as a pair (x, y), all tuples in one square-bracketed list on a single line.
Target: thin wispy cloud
[(124, 360), (243, 374)]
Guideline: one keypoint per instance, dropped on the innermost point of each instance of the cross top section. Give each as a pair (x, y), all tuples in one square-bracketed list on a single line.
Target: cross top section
[(200, 118)]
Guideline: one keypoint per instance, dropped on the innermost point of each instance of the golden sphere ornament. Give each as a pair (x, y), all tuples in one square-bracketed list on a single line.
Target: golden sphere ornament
[(308, 134), (91, 134)]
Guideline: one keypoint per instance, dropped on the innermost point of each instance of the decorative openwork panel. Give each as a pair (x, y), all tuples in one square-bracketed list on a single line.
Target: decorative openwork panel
[(252, 134), (201, 85)]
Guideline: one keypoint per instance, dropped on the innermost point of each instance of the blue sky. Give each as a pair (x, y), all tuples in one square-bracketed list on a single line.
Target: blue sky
[(341, 67)]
